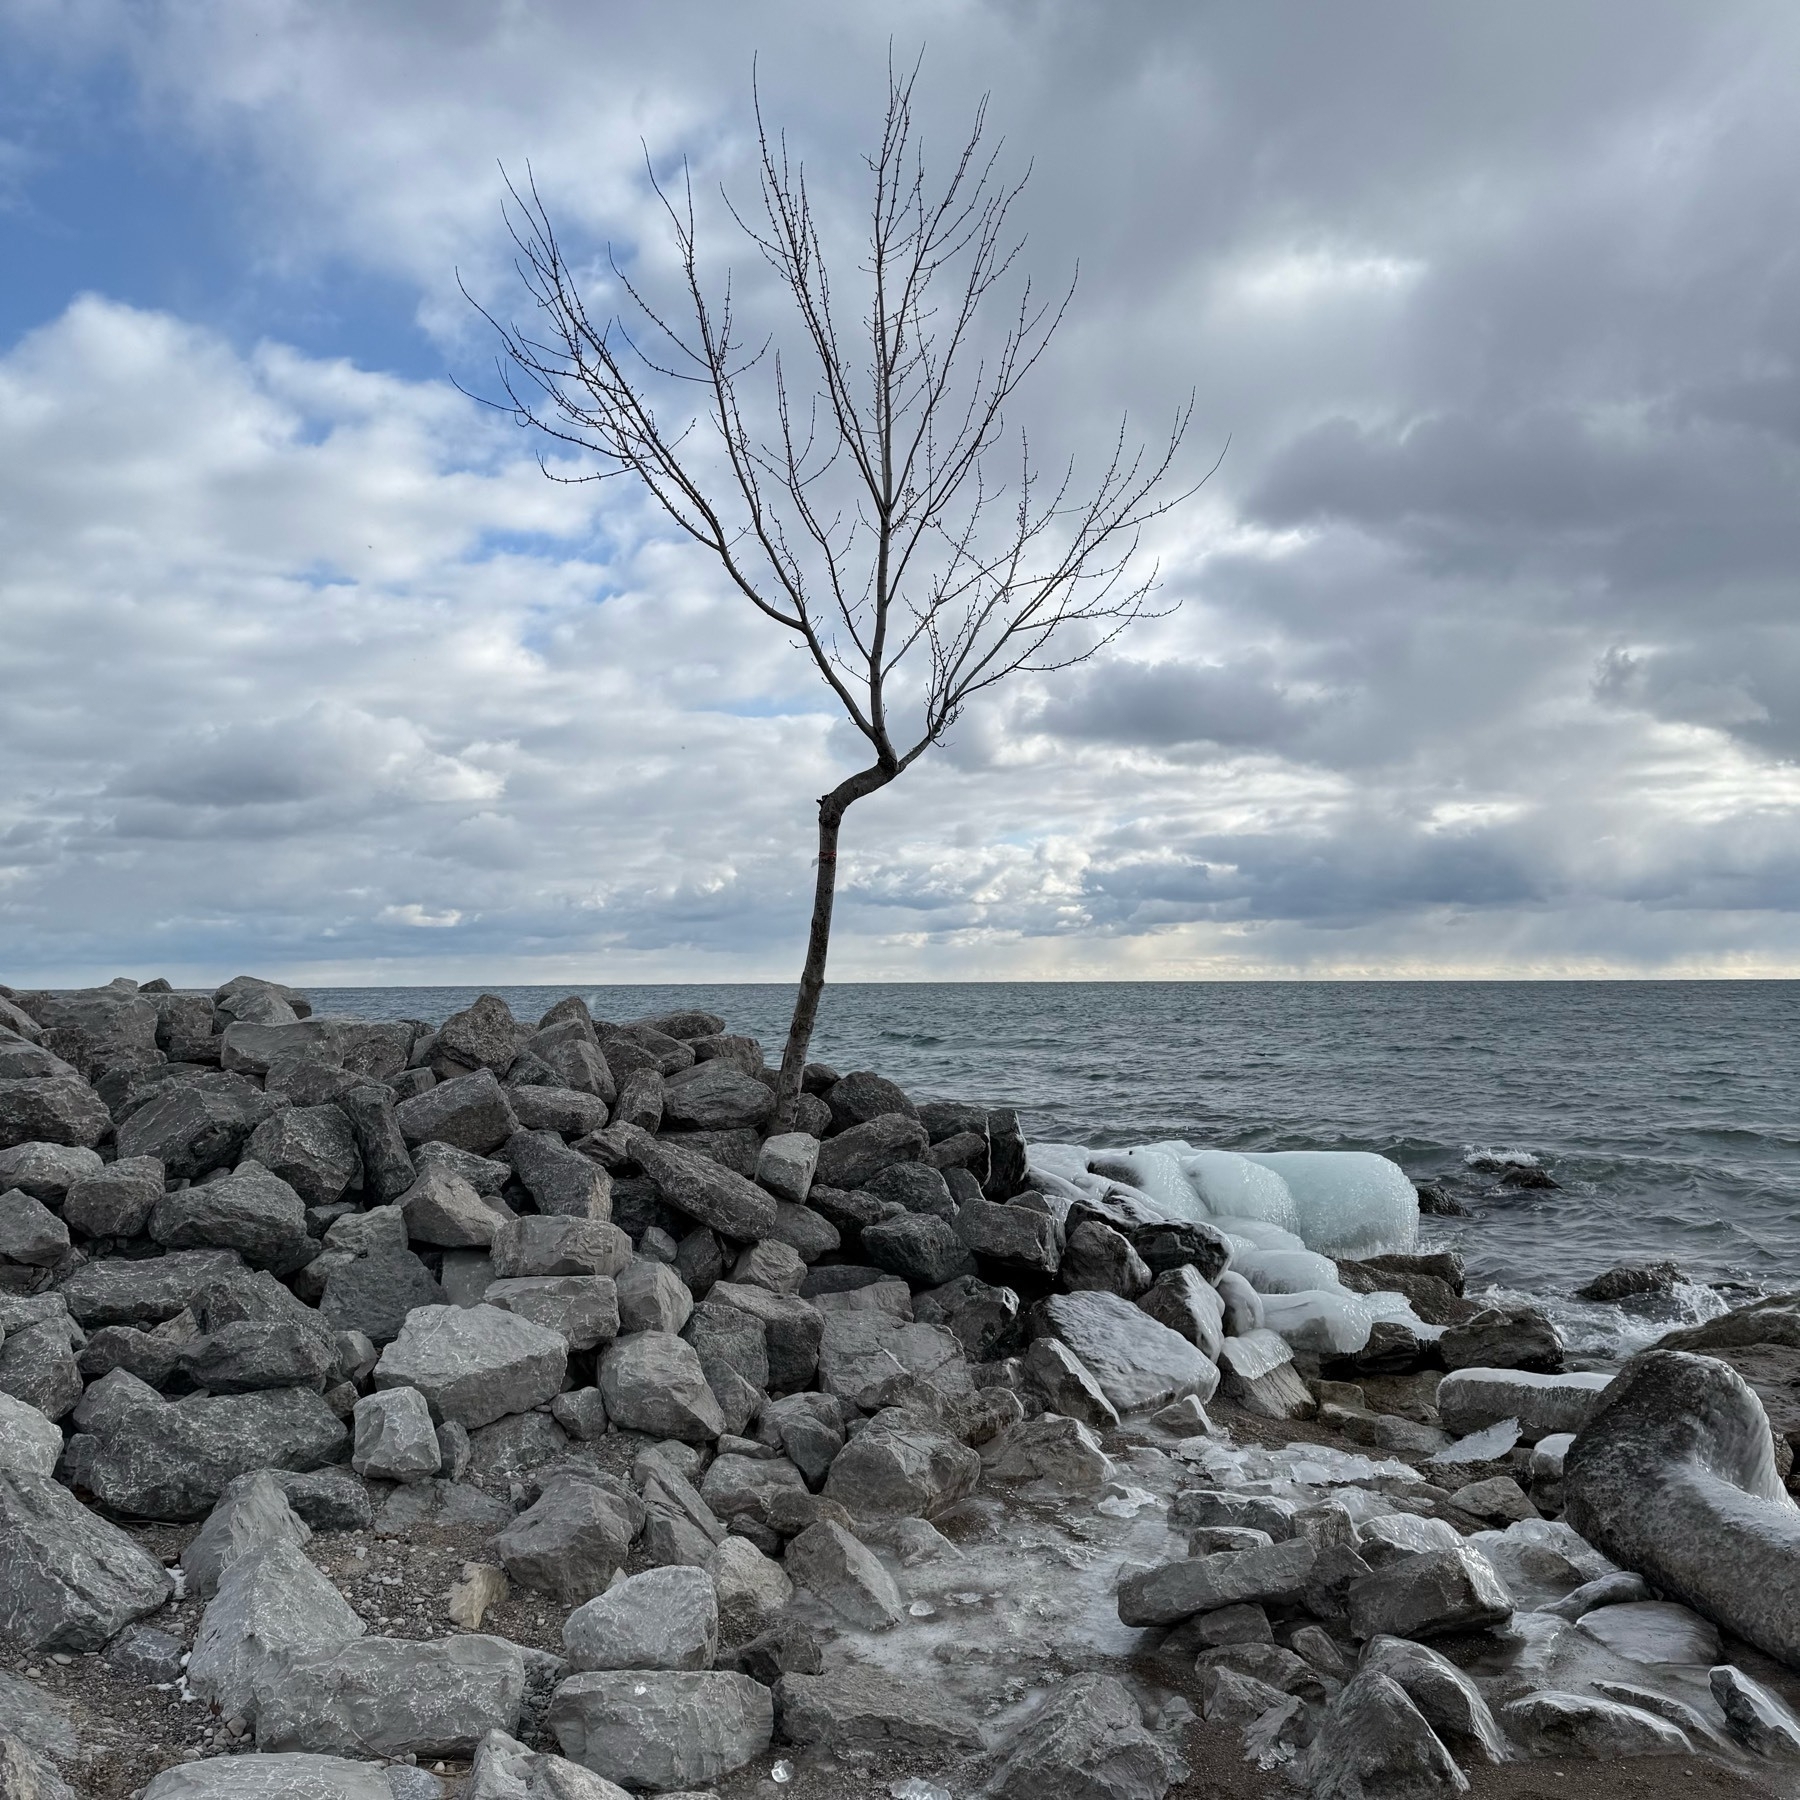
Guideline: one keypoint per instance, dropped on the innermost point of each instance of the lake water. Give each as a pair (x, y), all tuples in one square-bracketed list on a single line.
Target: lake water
[(1667, 1112)]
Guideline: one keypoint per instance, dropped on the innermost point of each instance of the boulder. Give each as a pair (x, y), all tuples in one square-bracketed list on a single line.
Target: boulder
[(1763, 1723), (1011, 1234), (851, 1158), (663, 1730), (312, 1149), (1086, 1741), (474, 1364), (853, 1707), (53, 1109), (272, 1604), (1449, 1701), (566, 1112), (390, 1697), (48, 1171), (792, 1330), (570, 1541), (115, 1201), (785, 1165), (1470, 1400), (380, 1145), (1674, 1476), (810, 1235), (1099, 1259), (871, 1360), (441, 1209), (652, 1297), (470, 1112), (194, 1127), (376, 1294), (395, 1438), (1273, 1576), (715, 1096), (1061, 1453), (1068, 1385), (1504, 1337), (68, 1579), (1182, 1299), (1429, 1595), (662, 1619), (978, 1316), (38, 1366), (252, 1511), (583, 1310), (752, 1589), (1138, 1363), (703, 1190), (504, 1769), (250, 1211), (143, 1293), (846, 1576), (482, 1036), (1581, 1726), (923, 1250), (564, 1183), (1259, 1375), (1375, 1744), (534, 1246), (30, 1443), (899, 1465), (652, 1381), (255, 1777)]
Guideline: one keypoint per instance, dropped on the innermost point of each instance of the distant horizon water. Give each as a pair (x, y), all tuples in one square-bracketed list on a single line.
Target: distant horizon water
[(1664, 1110)]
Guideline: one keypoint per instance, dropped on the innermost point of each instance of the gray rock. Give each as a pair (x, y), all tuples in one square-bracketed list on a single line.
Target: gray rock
[(194, 1127), (785, 1165), (506, 1457), (1428, 1595), (1086, 1741), (272, 1778), (1470, 1400), (652, 1297), (857, 1708), (142, 1653), (1099, 1259), (978, 1316), (1190, 1306), (1375, 1744), (68, 1579), (640, 1100), (38, 1366), (440, 1208), (792, 1330), (861, 1096), (1169, 1244), (482, 1036), (30, 1232), (1258, 1371), (440, 1506), (581, 1413), (1006, 1154), (1761, 1722), (1011, 1234), (804, 1231), (924, 1251), (770, 1264), (271, 1604), (1067, 1384), (1504, 1337), (248, 1355), (662, 1619), (652, 1381), (564, 1183), (715, 1096), (391, 1697), (312, 1149), (559, 1109), (1138, 1363), (916, 1187), (559, 1246), (470, 1112), (504, 1769), (853, 1157), (157, 1459), (572, 1538), (664, 1730), (29, 1442), (1063, 1454), (380, 1145), (1275, 1576), (117, 1201), (871, 1360), (1580, 1726), (729, 1342), (583, 1310), (752, 1589), (250, 1211), (846, 1575), (327, 1499), (485, 1174), (253, 1511), (54, 1109), (1449, 1701), (48, 1171), (898, 1465), (375, 1294), (395, 1438), (1715, 1528), (474, 1364), (702, 1189)]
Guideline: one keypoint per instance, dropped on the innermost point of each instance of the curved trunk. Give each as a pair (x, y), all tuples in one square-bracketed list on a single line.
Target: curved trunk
[(832, 808)]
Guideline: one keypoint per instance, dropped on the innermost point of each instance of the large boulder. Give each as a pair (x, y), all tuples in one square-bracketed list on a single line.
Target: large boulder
[(1429, 1595), (387, 1166), (30, 1443), (251, 1211), (652, 1381), (474, 1364), (47, 1171), (923, 1250), (858, 1708), (470, 1112), (1472, 1399), (563, 1182), (391, 1697), (505, 1769), (851, 1158), (663, 1730), (153, 1458), (147, 1292), (1138, 1363), (194, 1127), (312, 1148), (68, 1579), (482, 1036), (715, 1096), (1011, 1234), (897, 1464), (296, 1777), (378, 1292), (1086, 1741), (1273, 1574), (55, 1109), (115, 1201), (252, 1511), (704, 1190), (1674, 1476), (661, 1619), (1375, 1744), (573, 1538), (872, 1359)]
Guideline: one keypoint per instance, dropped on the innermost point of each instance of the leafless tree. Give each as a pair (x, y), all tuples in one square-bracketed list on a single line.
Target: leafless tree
[(854, 477)]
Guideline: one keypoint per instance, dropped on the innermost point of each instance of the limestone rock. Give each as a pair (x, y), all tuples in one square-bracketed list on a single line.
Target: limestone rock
[(852, 1157), (1579, 1725), (194, 1127), (704, 1190), (474, 1364), (583, 1310), (1449, 1701), (1277, 1575), (30, 1444), (470, 1112), (253, 1511), (661, 1729), (115, 1201), (504, 1769), (564, 1183), (250, 1211), (1375, 1744), (395, 1438), (572, 1538), (751, 1587), (846, 1575), (55, 1109), (899, 1465), (312, 1149), (662, 1619), (1138, 1363), (535, 1245), (854, 1707), (1086, 1741), (272, 1778), (441, 1208), (785, 1165), (1427, 1595)]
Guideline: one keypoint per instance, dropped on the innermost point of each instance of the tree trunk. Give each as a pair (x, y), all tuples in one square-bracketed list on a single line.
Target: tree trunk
[(832, 808)]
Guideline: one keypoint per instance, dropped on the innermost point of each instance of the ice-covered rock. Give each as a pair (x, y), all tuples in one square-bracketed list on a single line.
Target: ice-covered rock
[(1086, 1741), (1653, 1631), (1468, 1400), (1325, 1323), (1234, 1187), (1375, 1744), (1139, 1363), (1760, 1721), (1579, 1725), (1350, 1203)]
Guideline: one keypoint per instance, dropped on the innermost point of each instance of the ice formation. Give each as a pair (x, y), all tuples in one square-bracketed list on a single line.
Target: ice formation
[(1351, 1202)]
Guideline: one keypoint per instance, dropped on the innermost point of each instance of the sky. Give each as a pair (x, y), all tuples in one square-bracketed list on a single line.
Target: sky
[(1478, 653)]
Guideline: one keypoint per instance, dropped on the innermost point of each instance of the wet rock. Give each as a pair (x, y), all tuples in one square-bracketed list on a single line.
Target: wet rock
[(56, 1109), (1138, 1363), (978, 1316), (194, 1127), (1258, 1372), (68, 1579), (661, 1729), (1011, 1234), (1652, 1632), (1631, 1281), (474, 1364), (1274, 1576), (704, 1190), (116, 1201), (1099, 1259), (1762, 1723), (1221, 1506), (1497, 1500), (1423, 1596), (854, 1707), (390, 1697), (395, 1438), (898, 1465), (1374, 1744), (1504, 1337), (652, 1381), (1086, 1741), (847, 1576), (1470, 1400), (1715, 1527), (158, 1459), (250, 1211), (662, 1619), (1182, 1299), (1060, 1452), (375, 1294), (1449, 1701), (1580, 1726), (583, 1310), (253, 1511), (853, 1157), (470, 1112), (1067, 1384), (271, 1604)]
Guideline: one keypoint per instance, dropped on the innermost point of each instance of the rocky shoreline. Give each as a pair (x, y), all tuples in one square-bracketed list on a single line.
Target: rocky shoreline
[(501, 1410)]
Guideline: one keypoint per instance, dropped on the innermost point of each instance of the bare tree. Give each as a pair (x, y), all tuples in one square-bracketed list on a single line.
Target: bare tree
[(858, 500)]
